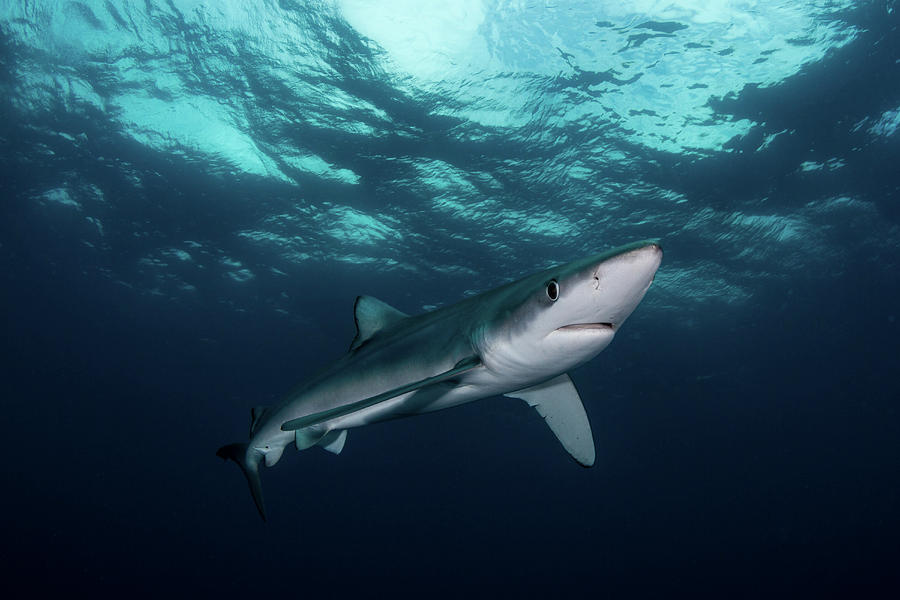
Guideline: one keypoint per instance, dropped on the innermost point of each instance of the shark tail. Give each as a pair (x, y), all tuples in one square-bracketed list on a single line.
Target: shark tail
[(248, 460)]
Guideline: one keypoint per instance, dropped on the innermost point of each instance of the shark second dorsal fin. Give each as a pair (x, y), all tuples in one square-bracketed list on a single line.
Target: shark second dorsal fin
[(558, 402), (256, 413), (372, 315)]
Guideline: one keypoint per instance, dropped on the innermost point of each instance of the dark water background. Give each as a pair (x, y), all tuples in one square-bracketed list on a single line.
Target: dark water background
[(746, 418)]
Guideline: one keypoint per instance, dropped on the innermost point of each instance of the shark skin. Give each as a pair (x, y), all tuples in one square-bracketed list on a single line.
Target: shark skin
[(518, 340)]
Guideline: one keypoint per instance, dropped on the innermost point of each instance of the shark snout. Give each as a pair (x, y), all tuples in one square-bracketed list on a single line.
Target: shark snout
[(651, 257), (635, 266), (622, 281)]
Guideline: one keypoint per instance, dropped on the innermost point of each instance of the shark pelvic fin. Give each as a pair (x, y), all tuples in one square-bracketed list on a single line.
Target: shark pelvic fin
[(248, 460), (558, 402), (462, 366), (334, 441), (372, 315), (309, 437)]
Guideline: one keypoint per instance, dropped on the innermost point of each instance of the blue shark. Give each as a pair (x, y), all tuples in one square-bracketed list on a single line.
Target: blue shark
[(519, 340)]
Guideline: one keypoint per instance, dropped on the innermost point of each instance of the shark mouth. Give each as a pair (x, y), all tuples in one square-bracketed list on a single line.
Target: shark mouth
[(587, 327)]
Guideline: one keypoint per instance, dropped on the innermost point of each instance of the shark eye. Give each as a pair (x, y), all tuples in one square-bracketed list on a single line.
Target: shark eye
[(553, 290)]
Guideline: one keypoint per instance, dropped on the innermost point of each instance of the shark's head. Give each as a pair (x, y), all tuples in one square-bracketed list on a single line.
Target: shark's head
[(558, 319)]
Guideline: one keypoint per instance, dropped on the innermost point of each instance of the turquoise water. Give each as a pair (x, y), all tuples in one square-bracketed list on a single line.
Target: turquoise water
[(408, 137)]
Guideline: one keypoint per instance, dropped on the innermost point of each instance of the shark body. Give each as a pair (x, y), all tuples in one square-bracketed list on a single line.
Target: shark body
[(518, 340)]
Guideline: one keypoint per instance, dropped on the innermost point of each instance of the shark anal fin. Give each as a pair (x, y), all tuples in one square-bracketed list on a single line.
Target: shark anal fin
[(558, 402), (372, 315), (273, 456), (462, 366)]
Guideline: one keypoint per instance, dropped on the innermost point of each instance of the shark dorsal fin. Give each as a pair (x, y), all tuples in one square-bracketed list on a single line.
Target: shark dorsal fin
[(372, 315)]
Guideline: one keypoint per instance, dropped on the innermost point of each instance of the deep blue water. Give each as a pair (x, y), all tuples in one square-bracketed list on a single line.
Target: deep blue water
[(195, 192)]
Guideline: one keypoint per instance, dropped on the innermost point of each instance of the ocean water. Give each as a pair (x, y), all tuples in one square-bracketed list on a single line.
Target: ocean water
[(194, 193)]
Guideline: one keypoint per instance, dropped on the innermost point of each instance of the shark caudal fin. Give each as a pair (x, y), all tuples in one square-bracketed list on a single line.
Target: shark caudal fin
[(248, 461)]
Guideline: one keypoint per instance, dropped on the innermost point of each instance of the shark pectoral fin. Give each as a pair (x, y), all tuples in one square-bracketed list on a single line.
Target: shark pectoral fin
[(558, 402), (466, 364), (334, 441), (372, 315)]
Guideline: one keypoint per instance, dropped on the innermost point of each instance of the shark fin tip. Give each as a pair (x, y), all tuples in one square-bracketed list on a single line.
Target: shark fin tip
[(249, 464)]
